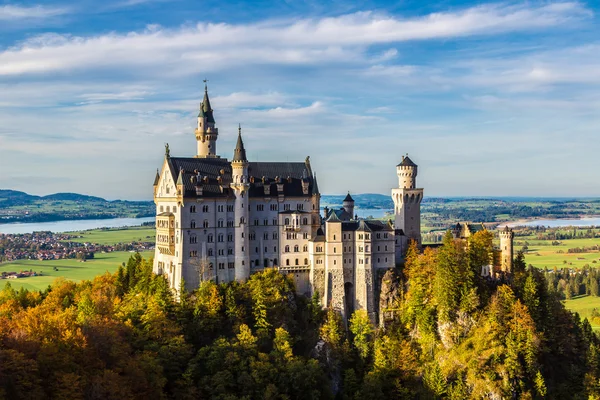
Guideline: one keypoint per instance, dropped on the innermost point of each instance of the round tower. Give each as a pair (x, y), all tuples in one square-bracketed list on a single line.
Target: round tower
[(240, 186), (506, 247), (206, 132), (348, 205)]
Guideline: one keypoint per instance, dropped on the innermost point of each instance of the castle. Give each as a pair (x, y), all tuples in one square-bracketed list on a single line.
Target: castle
[(224, 220)]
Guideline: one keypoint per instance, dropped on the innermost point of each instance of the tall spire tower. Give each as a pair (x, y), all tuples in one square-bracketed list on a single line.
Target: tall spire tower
[(240, 187), (407, 200), (206, 132)]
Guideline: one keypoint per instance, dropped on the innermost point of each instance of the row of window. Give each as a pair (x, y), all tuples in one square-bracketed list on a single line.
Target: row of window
[(296, 248)]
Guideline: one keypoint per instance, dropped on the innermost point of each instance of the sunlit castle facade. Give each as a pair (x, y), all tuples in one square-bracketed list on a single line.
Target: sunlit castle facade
[(223, 220)]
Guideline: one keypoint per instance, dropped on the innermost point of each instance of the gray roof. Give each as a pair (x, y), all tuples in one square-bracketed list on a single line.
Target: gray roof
[(211, 169), (369, 225), (349, 198), (406, 162), (205, 108), (239, 153)]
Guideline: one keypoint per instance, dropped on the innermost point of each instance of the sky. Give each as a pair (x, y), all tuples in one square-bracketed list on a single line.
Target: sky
[(488, 98)]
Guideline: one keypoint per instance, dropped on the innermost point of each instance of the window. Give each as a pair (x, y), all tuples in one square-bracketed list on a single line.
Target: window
[(220, 223), (205, 223), (220, 208), (192, 209), (287, 262), (260, 207), (193, 253), (221, 265), (296, 248), (385, 248), (385, 235), (220, 237), (230, 208), (266, 236), (297, 262), (378, 235), (273, 207), (360, 236), (287, 221), (210, 238), (230, 251), (255, 222), (193, 239), (266, 222), (367, 236), (306, 261), (230, 265), (274, 222), (367, 248), (230, 237), (286, 207), (252, 236), (274, 249), (305, 248), (305, 235), (162, 209), (334, 249), (360, 248), (241, 220), (287, 249), (299, 206), (378, 248), (304, 221), (210, 252), (205, 209), (230, 223), (274, 262), (266, 249), (274, 235), (256, 250), (221, 252), (192, 224)]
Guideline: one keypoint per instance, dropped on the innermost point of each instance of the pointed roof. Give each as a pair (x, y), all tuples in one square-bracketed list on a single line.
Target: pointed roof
[(348, 198), (315, 185), (406, 162), (333, 217), (206, 110), (180, 177), (156, 178), (239, 154), (362, 226)]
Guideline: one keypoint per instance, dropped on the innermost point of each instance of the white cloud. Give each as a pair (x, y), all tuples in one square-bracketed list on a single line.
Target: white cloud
[(12, 12), (211, 47)]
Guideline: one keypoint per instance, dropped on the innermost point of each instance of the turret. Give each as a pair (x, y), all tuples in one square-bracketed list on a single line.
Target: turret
[(206, 132), (240, 186), (407, 173), (506, 247), (348, 205)]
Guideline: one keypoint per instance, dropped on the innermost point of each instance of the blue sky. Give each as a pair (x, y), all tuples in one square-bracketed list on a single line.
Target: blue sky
[(498, 98)]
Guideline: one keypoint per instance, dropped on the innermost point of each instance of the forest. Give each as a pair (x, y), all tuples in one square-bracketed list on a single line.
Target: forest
[(445, 333)]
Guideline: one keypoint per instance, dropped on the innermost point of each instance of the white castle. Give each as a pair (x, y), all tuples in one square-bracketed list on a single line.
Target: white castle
[(224, 220)]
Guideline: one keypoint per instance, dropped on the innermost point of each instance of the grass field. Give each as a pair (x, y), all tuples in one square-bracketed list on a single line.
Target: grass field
[(114, 236), (584, 305), (69, 269), (542, 253)]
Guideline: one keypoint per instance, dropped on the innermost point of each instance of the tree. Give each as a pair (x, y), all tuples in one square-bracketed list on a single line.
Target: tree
[(362, 332)]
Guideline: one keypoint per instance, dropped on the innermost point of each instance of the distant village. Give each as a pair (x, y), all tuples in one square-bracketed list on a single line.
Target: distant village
[(54, 246)]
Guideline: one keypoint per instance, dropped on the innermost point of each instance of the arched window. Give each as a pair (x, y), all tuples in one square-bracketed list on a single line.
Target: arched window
[(304, 221), (305, 248), (297, 262), (287, 249), (287, 221), (210, 238), (296, 249), (205, 223), (210, 253), (274, 262), (306, 261), (287, 262), (193, 224), (220, 237)]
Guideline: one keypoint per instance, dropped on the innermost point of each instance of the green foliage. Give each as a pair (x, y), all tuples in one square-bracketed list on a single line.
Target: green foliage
[(362, 332)]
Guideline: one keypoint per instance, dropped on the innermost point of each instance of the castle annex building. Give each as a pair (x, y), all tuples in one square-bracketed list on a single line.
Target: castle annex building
[(224, 219)]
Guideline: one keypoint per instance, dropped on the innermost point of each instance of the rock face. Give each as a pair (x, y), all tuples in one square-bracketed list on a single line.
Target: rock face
[(390, 297)]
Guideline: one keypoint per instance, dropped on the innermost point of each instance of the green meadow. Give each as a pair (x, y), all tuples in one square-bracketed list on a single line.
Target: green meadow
[(69, 269), (584, 305), (114, 236), (541, 253)]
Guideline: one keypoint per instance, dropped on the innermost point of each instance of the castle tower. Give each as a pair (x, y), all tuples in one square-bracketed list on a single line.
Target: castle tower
[(348, 205), (506, 246), (335, 287), (240, 186), (206, 132), (407, 200)]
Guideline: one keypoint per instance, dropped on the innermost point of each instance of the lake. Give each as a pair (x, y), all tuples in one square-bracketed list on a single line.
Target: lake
[(553, 223), (70, 226)]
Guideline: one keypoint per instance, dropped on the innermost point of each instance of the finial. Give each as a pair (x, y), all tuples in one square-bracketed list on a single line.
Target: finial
[(167, 151), (239, 129), (205, 85)]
